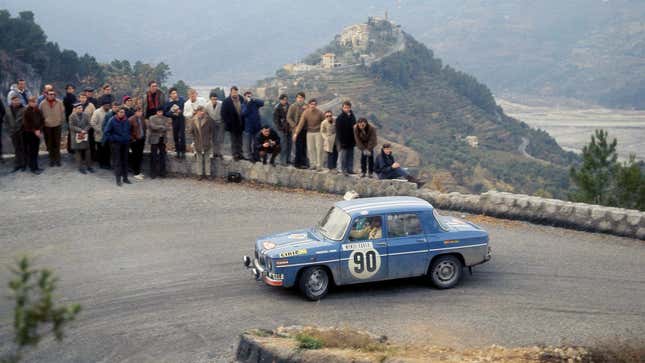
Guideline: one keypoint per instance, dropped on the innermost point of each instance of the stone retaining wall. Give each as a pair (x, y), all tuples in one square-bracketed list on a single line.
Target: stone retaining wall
[(587, 217)]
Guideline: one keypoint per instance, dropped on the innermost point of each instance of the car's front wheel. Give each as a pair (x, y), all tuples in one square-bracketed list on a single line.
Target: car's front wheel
[(314, 283), (445, 271)]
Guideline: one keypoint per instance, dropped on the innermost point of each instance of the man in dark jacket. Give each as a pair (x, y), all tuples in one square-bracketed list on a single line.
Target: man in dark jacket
[(107, 94), (117, 134), (252, 123), (345, 139), (89, 93), (174, 109), (233, 122), (13, 121), (267, 142), (68, 101), (32, 124), (280, 121), (387, 168), (365, 136)]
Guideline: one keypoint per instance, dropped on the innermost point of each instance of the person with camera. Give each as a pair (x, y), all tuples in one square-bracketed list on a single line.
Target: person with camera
[(267, 142)]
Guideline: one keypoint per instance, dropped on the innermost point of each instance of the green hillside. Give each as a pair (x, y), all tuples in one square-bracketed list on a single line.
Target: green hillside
[(418, 102)]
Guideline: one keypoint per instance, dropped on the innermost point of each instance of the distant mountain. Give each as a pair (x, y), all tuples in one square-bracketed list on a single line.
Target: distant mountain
[(465, 141), (591, 50)]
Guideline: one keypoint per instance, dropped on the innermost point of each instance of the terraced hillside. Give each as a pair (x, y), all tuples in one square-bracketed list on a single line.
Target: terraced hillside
[(418, 102)]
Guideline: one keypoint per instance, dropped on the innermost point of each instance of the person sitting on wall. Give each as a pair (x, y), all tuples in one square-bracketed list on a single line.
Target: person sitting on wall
[(267, 142), (387, 168)]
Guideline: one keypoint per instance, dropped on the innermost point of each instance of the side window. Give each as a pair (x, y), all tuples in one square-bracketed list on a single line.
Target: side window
[(366, 228), (403, 225)]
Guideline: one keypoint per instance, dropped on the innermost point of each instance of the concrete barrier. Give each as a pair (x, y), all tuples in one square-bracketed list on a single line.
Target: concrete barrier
[(587, 217)]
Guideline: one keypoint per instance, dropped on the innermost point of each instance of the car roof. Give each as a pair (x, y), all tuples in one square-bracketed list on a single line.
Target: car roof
[(363, 206)]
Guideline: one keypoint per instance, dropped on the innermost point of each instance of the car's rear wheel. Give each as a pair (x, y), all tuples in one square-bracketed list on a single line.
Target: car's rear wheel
[(445, 271), (314, 283)]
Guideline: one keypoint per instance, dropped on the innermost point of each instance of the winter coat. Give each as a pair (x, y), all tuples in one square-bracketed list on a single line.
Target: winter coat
[(68, 101), (190, 107), (251, 115), (168, 105), (117, 131), (328, 132), (345, 130), (135, 132), (261, 139), (54, 113), (32, 119), (97, 122), (280, 118), (233, 120), (365, 138), (14, 123), (157, 126), (294, 113), (79, 123), (311, 119), (155, 101), (214, 112), (2, 112), (383, 165), (202, 131)]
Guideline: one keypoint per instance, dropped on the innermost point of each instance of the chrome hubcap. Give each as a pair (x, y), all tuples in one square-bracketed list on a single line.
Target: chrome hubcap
[(445, 271), (317, 281)]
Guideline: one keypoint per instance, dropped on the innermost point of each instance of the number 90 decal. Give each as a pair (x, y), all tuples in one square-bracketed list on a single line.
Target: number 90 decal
[(364, 263)]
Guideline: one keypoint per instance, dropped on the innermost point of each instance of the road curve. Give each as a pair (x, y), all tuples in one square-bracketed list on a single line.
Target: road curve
[(156, 266)]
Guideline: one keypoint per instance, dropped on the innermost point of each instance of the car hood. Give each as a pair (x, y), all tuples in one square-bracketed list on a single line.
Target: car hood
[(297, 240), (456, 224)]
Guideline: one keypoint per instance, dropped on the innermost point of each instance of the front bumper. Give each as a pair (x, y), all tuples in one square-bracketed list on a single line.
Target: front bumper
[(260, 273)]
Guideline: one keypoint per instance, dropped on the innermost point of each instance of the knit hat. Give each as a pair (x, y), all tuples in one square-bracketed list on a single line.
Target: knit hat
[(77, 104), (125, 98)]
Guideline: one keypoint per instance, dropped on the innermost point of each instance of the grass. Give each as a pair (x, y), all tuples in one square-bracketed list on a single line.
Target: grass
[(306, 341)]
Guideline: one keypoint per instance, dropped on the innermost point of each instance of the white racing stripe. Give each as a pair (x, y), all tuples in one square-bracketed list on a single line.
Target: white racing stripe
[(385, 254)]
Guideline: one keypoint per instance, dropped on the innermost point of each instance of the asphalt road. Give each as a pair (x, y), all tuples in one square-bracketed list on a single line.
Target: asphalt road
[(156, 267)]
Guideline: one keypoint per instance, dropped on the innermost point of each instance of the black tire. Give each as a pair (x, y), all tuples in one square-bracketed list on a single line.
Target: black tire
[(445, 271), (314, 283)]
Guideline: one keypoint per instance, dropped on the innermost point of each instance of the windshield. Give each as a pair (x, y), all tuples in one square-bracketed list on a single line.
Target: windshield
[(334, 224), (439, 219)]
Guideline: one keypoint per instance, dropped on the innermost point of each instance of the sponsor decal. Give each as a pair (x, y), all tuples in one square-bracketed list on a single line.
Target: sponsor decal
[(364, 263), (293, 253), (357, 246), (281, 262), (297, 236), (450, 241), (268, 245)]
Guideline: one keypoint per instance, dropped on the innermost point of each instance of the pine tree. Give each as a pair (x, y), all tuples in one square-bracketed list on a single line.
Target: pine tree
[(35, 311), (630, 185), (595, 176)]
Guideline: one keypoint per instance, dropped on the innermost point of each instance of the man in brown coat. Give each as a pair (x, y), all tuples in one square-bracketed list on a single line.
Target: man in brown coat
[(54, 114), (311, 120), (201, 128), (32, 123), (137, 141), (365, 135)]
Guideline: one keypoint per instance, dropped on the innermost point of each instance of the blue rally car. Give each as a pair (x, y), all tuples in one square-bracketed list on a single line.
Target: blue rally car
[(371, 239)]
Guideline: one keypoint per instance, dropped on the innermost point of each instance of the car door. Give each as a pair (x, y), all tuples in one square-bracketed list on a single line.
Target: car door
[(408, 248), (363, 254)]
